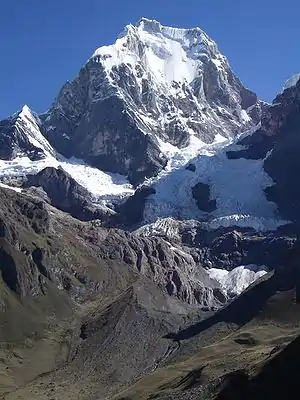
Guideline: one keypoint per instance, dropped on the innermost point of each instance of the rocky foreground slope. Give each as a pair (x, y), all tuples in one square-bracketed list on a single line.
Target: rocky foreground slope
[(88, 312), (149, 230)]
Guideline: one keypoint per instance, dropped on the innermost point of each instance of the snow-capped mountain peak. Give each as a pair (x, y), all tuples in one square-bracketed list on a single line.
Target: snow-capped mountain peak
[(21, 136), (155, 85), (158, 106), (150, 25), (167, 54), (25, 111)]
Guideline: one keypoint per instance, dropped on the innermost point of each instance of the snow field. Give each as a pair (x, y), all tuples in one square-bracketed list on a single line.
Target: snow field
[(237, 280)]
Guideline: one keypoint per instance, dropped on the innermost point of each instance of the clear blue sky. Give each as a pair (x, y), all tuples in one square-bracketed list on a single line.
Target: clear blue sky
[(43, 43)]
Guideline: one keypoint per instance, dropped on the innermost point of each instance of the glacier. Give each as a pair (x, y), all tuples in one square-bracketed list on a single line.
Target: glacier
[(236, 185), (237, 280)]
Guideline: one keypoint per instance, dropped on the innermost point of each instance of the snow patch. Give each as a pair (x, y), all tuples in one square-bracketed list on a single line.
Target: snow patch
[(259, 224), (168, 227), (237, 280), (291, 82), (244, 116), (15, 189), (217, 62), (100, 184)]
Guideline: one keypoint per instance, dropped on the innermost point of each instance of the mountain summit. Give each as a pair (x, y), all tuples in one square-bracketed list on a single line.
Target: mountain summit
[(154, 85)]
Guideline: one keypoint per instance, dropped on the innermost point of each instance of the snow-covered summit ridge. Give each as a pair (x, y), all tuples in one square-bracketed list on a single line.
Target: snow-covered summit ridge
[(175, 82), (25, 111), (171, 54), (292, 81), (188, 37)]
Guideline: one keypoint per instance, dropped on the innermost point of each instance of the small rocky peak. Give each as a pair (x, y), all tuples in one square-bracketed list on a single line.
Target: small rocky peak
[(149, 25), (25, 114)]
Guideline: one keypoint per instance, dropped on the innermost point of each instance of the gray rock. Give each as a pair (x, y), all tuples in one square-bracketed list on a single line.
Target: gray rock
[(66, 194), (130, 213), (21, 135), (201, 193)]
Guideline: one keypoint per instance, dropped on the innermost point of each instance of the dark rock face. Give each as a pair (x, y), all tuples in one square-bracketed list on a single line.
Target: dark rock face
[(26, 246), (191, 167), (232, 249), (228, 248), (65, 193), (256, 146), (21, 221), (130, 213), (283, 164), (278, 135), (152, 257), (115, 142), (8, 270), (201, 193)]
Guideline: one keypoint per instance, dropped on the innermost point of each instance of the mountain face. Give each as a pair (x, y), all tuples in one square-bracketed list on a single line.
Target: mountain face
[(64, 193), (154, 85), (277, 143), (149, 228), (20, 135)]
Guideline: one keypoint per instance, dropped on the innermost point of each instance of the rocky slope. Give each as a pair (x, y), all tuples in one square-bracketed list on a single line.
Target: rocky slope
[(235, 353), (65, 193)]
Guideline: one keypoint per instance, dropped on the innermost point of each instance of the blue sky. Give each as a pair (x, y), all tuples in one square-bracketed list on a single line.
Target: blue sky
[(44, 43)]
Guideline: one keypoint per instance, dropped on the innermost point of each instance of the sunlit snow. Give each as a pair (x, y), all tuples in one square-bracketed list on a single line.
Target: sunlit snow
[(102, 185), (291, 81), (236, 185), (237, 280), (172, 54), (34, 134), (15, 189)]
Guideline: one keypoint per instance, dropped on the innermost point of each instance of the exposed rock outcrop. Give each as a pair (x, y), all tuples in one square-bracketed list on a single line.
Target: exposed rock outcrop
[(20, 135), (201, 193), (66, 194)]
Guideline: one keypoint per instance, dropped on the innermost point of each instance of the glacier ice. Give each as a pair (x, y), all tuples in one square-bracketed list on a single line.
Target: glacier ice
[(237, 280)]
